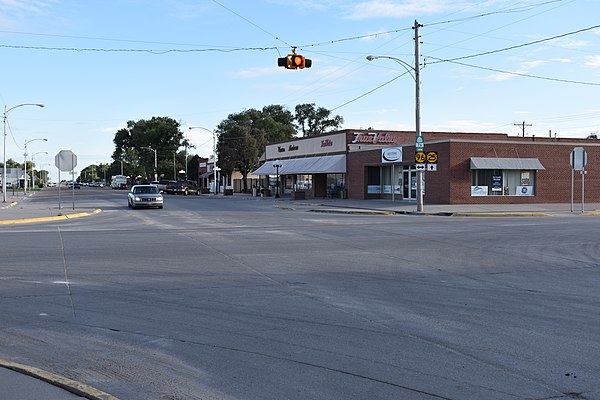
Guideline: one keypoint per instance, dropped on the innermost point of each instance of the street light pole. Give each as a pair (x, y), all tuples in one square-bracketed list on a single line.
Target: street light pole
[(25, 179), (277, 165), (4, 117), (417, 77), (155, 162), (32, 168), (216, 172)]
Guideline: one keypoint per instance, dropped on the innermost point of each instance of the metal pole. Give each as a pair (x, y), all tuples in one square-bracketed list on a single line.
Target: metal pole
[(418, 115), (572, 186), (582, 189), (4, 158), (59, 205), (25, 169), (155, 167), (277, 183)]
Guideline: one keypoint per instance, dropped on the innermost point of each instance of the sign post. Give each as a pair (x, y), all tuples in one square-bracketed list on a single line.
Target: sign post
[(66, 161), (578, 161)]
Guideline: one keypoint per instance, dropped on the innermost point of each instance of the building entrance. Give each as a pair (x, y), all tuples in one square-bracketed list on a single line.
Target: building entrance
[(409, 183)]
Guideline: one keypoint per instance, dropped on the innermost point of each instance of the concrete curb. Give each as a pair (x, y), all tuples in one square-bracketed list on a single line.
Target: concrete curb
[(500, 214), (354, 211), (64, 383), (12, 203), (46, 219)]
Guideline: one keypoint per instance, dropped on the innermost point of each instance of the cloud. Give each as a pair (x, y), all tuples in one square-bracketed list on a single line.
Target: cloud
[(570, 43), (397, 9), (258, 72), (525, 68), (29, 6), (13, 10), (593, 61)]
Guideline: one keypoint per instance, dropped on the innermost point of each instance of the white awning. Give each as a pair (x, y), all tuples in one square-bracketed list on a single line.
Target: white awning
[(506, 163), (309, 165)]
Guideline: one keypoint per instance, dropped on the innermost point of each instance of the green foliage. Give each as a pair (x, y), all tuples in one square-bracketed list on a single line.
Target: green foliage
[(243, 137), (312, 121), (131, 146)]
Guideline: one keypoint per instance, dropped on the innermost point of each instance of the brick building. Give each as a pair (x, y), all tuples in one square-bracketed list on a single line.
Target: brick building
[(471, 168)]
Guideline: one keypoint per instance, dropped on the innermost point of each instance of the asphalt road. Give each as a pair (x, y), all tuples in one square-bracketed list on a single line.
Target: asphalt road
[(225, 298)]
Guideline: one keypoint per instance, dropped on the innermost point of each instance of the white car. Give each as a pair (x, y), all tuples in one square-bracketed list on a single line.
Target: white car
[(144, 196)]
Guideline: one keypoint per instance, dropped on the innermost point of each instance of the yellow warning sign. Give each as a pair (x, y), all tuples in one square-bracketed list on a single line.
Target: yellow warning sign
[(432, 157), (420, 157)]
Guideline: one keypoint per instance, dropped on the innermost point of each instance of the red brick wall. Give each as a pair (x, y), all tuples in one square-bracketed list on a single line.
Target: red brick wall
[(451, 183)]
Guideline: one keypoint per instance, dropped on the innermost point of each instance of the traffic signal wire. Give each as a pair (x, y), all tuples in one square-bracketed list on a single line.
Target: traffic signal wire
[(369, 92), (515, 73)]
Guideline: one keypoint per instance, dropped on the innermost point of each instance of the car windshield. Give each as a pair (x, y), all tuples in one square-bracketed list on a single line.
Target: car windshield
[(145, 190)]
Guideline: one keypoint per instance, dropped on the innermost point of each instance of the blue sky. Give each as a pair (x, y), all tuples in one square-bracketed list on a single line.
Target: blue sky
[(96, 64)]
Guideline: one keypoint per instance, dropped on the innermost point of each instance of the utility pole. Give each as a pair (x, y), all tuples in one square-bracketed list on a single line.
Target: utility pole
[(523, 125), (419, 137)]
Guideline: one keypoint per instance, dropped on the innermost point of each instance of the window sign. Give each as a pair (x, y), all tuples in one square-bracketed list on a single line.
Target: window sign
[(479, 190), (496, 183), (524, 190), (525, 178), (374, 189)]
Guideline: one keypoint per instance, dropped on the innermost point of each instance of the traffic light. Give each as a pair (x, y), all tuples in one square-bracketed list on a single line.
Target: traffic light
[(297, 61), (294, 61)]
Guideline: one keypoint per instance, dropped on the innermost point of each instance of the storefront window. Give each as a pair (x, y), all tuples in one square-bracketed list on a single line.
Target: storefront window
[(303, 182), (487, 182), (373, 180)]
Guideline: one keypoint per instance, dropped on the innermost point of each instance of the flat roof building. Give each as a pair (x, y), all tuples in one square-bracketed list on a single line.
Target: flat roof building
[(460, 168)]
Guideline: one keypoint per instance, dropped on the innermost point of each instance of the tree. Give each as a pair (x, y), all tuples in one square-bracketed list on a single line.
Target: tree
[(593, 135), (243, 137), (313, 121), (159, 133)]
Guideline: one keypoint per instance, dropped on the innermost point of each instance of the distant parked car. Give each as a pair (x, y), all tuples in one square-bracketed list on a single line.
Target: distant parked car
[(182, 187), (144, 196), (71, 185)]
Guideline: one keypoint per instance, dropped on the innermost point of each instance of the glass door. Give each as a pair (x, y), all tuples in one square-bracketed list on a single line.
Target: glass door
[(409, 183)]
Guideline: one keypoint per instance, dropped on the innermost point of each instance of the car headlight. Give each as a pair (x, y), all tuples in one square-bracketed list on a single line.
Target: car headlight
[(136, 198)]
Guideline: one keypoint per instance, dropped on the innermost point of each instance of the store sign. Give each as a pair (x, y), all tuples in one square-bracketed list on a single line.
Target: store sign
[(283, 149), (307, 147), (496, 183), (373, 138), (391, 154)]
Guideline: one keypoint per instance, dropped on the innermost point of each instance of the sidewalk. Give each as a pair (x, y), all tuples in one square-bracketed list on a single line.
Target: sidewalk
[(410, 207), (21, 209)]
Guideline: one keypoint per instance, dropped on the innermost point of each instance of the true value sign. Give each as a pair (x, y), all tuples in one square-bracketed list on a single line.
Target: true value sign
[(65, 160)]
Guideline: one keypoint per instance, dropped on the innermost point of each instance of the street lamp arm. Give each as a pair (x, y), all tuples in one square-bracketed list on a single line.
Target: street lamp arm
[(33, 140), (409, 68), (21, 105)]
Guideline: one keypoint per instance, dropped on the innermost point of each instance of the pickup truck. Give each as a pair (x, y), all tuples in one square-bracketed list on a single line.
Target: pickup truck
[(182, 187)]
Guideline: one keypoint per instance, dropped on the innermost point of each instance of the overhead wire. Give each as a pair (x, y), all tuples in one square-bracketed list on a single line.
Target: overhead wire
[(519, 45), (501, 11), (370, 91), (518, 73)]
